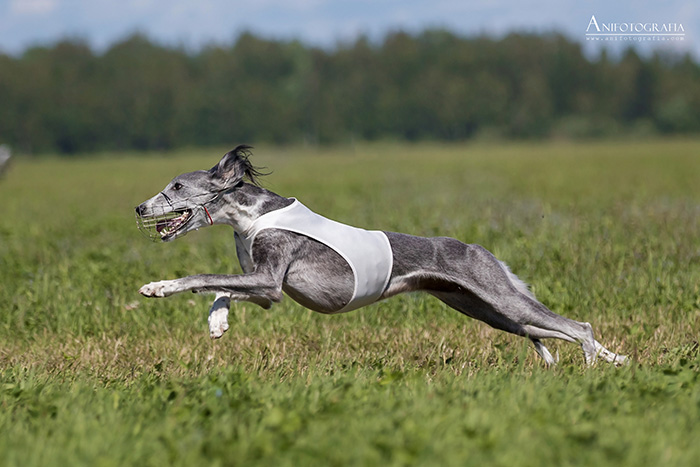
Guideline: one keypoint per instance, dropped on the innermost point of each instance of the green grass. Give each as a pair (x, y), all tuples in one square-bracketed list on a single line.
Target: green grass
[(93, 374)]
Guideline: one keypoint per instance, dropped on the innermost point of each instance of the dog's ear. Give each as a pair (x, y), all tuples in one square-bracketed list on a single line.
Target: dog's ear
[(235, 165)]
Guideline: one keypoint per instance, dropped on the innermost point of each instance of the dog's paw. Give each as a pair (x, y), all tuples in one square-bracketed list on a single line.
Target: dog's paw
[(217, 326), (218, 317), (158, 289)]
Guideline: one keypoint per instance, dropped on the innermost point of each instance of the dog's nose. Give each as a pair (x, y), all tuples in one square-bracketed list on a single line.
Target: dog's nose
[(139, 210)]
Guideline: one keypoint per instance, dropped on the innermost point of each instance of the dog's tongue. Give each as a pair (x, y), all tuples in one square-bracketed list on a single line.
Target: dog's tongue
[(161, 225)]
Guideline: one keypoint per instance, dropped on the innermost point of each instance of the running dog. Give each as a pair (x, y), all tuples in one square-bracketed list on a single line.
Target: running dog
[(331, 267)]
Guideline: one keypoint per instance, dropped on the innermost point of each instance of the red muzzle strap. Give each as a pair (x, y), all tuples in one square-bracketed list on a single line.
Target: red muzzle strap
[(211, 221)]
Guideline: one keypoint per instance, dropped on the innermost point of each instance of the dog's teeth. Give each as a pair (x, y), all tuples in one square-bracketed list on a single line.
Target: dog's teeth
[(165, 228)]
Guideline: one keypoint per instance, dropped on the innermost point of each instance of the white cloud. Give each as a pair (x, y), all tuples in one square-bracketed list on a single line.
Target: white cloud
[(33, 7)]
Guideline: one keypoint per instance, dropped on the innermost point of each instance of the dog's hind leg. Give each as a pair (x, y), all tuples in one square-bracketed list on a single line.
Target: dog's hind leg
[(478, 285), (519, 314), (600, 351)]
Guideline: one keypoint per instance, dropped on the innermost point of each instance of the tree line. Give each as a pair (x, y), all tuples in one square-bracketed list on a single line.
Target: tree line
[(431, 85)]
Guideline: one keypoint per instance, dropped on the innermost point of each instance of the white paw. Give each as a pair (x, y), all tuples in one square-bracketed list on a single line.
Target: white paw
[(218, 317), (611, 357), (159, 289), (218, 323)]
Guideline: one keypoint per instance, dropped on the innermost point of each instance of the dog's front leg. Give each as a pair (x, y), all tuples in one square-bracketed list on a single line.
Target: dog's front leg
[(259, 288), (218, 315), (166, 288)]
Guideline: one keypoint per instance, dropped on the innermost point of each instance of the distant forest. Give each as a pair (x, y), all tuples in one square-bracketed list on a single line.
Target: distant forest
[(432, 85)]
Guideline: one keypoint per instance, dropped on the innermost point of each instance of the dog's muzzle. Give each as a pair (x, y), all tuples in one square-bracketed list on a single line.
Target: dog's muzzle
[(162, 223)]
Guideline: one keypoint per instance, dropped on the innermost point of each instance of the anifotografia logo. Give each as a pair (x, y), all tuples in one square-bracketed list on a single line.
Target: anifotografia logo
[(634, 31)]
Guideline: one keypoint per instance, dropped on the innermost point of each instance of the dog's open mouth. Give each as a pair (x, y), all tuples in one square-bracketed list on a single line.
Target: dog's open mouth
[(165, 226)]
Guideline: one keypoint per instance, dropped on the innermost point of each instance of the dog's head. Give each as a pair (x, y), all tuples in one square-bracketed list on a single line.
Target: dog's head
[(190, 200)]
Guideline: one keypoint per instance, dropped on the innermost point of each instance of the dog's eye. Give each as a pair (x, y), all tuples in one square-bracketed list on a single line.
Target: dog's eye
[(177, 186)]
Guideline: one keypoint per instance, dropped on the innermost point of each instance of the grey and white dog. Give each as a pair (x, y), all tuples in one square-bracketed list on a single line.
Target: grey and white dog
[(468, 278)]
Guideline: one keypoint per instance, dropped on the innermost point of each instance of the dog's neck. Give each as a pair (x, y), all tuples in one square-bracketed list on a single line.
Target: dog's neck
[(243, 206)]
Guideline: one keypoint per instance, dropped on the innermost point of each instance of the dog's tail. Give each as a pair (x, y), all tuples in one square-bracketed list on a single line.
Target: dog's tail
[(521, 286)]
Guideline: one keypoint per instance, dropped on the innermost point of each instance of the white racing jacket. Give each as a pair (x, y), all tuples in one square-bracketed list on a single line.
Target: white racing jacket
[(367, 252)]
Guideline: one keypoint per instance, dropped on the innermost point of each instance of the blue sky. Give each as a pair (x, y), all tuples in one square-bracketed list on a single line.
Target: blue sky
[(325, 22)]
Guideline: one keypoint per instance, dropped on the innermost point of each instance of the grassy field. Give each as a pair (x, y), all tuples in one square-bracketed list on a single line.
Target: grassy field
[(93, 374)]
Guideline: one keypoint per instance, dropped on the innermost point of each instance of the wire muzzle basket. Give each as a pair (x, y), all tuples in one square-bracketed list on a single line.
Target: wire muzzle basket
[(164, 223)]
